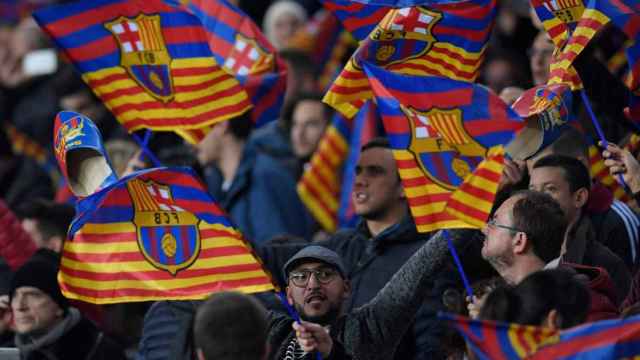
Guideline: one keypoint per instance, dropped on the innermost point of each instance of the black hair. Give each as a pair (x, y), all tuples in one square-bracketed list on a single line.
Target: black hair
[(529, 302), (299, 61), (290, 107), (575, 173), (541, 218), (377, 142), (241, 126), (53, 219), (231, 326)]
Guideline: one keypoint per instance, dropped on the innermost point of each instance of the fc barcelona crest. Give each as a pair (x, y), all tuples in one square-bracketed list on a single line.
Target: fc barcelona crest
[(443, 148), (402, 35), (568, 11), (144, 54), (248, 58), (168, 236)]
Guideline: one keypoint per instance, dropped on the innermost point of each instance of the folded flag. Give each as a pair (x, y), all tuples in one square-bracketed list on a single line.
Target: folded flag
[(607, 339), (358, 19), (155, 235), (448, 138), (237, 43), (438, 39), (147, 61)]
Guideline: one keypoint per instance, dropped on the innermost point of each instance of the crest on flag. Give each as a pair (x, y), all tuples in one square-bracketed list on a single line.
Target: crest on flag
[(248, 58), (168, 235), (144, 54), (552, 111), (438, 137), (568, 11), (407, 34), (67, 136)]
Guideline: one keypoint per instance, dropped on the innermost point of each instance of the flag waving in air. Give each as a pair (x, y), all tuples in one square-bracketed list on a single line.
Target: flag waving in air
[(607, 339), (147, 61), (155, 235), (358, 19), (437, 39), (448, 138), (239, 45)]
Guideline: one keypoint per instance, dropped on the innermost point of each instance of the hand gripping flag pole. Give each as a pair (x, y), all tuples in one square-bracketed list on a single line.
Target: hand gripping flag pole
[(293, 313)]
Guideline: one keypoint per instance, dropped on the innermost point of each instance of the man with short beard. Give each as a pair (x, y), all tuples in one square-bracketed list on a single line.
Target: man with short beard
[(317, 286)]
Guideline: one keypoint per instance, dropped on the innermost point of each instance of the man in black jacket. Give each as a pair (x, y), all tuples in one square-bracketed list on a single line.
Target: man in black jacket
[(46, 326)]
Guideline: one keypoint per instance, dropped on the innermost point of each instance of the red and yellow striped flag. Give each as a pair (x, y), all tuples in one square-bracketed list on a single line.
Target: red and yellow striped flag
[(157, 235), (147, 61)]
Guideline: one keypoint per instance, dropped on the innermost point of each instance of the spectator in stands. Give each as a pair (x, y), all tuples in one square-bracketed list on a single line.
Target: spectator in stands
[(46, 326), (46, 222), (282, 20), (540, 56), (525, 235), (551, 298), (567, 181), (231, 326), (257, 192)]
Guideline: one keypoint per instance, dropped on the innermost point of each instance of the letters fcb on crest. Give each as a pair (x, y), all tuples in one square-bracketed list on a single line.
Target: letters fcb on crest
[(144, 54), (168, 236)]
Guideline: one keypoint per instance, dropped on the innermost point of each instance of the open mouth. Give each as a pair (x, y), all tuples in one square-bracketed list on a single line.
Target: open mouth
[(315, 298)]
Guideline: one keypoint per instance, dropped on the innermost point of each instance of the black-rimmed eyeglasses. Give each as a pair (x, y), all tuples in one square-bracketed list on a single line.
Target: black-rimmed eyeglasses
[(492, 223), (301, 278)]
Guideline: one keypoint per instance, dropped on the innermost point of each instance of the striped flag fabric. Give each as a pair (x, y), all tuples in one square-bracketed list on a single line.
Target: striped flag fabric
[(559, 17), (607, 339), (439, 39), (147, 61), (359, 19), (448, 138), (155, 235), (238, 44), (600, 173)]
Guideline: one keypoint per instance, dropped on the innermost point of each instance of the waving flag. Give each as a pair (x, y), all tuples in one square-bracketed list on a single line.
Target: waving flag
[(240, 46), (358, 19), (441, 39), (607, 339), (148, 62), (321, 187), (559, 17), (448, 139), (155, 235)]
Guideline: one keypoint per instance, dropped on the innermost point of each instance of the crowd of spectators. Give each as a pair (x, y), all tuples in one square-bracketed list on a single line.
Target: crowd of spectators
[(558, 250)]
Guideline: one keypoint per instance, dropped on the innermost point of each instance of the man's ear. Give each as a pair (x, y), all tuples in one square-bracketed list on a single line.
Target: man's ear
[(520, 243), (289, 295), (347, 289), (553, 320), (580, 197)]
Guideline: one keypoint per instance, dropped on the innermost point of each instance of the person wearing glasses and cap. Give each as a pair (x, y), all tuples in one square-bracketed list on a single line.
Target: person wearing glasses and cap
[(525, 235), (318, 285)]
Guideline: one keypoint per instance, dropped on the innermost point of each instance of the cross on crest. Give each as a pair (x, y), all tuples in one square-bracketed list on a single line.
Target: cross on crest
[(162, 196), (411, 19), (568, 11), (127, 33), (248, 58)]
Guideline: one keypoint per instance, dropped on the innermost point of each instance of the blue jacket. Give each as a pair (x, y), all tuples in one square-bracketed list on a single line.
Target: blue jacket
[(371, 262), (262, 200)]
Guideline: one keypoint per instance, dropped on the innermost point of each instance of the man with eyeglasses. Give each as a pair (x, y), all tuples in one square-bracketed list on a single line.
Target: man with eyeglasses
[(317, 287), (526, 235)]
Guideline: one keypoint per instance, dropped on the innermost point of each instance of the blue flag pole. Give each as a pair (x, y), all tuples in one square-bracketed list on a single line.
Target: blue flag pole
[(456, 259), (143, 143), (293, 313), (596, 124)]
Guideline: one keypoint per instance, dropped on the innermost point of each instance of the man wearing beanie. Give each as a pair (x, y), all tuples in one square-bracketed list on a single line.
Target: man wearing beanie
[(46, 326)]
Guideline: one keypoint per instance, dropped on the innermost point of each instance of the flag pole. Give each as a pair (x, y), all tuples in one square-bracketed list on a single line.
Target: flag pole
[(143, 143), (596, 124), (293, 313), (456, 259)]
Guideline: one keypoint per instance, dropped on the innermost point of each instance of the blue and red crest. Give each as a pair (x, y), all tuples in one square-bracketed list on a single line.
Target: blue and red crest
[(402, 35), (445, 151), (168, 236), (73, 131), (144, 54)]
